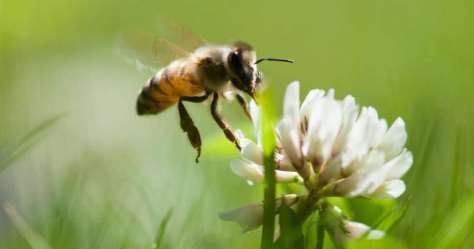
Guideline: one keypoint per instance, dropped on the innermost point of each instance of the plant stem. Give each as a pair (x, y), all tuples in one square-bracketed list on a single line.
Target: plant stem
[(269, 204), (268, 139), (320, 235)]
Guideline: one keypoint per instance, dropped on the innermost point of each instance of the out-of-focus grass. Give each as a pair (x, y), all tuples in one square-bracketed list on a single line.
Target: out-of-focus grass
[(105, 178), (14, 149)]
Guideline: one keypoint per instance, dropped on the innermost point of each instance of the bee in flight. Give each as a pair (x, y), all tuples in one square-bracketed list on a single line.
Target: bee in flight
[(209, 71)]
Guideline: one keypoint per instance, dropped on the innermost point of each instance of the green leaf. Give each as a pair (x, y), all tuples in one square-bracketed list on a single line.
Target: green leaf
[(291, 229), (310, 232)]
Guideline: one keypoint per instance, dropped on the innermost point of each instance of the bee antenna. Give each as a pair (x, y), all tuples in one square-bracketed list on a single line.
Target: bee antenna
[(274, 59)]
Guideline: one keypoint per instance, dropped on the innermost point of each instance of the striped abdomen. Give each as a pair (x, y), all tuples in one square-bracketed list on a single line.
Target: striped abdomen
[(167, 87)]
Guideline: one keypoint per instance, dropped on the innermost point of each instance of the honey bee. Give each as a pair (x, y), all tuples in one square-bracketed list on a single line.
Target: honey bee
[(208, 71)]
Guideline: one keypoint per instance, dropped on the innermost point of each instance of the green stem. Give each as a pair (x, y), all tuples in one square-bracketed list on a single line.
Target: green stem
[(307, 205), (268, 138), (269, 204), (320, 235)]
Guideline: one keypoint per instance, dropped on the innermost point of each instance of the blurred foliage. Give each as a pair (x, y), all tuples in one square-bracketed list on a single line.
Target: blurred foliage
[(10, 151), (106, 178)]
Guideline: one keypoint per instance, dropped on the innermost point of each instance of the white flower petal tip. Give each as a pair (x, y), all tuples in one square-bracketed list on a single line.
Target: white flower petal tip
[(390, 190), (254, 173), (247, 170), (290, 141), (293, 89), (249, 217), (394, 139), (292, 99), (375, 234), (252, 152), (356, 230), (287, 177), (402, 164)]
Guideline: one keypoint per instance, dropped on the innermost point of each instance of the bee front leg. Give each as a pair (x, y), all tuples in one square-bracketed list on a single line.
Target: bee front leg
[(187, 125), (243, 103), (221, 122)]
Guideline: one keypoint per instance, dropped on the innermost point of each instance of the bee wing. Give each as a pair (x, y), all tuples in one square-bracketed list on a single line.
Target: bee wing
[(149, 51), (152, 52), (180, 34)]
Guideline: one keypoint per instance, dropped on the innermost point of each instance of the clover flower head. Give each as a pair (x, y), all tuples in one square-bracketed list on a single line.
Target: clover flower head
[(332, 147), (343, 144)]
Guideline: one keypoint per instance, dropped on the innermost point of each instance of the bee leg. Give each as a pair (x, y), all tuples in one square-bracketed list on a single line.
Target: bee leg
[(221, 122), (244, 105), (187, 125)]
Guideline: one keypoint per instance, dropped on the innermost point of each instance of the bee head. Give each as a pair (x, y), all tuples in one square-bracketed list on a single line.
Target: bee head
[(242, 63), (243, 69)]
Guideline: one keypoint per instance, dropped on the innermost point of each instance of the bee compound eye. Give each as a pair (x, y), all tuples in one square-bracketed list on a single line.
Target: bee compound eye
[(235, 57), (234, 62)]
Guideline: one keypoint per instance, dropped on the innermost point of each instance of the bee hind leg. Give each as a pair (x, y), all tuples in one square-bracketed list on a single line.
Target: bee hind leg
[(221, 122), (187, 125)]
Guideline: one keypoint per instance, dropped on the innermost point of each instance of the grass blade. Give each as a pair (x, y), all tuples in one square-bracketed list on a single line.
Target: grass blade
[(161, 230), (457, 226), (18, 148), (33, 238)]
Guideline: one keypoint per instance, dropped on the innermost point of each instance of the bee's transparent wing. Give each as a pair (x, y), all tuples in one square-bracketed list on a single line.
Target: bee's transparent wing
[(149, 51), (152, 52), (180, 34)]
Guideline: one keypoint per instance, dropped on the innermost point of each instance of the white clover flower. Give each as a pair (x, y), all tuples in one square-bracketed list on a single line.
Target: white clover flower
[(333, 148), (250, 165), (354, 150)]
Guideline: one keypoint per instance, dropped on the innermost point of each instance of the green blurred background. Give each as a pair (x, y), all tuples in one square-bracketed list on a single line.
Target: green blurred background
[(102, 177)]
